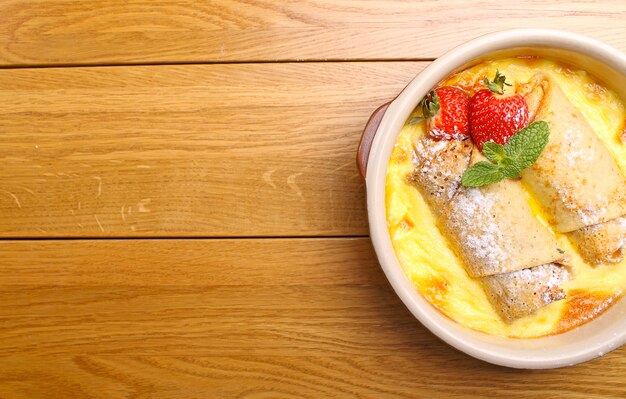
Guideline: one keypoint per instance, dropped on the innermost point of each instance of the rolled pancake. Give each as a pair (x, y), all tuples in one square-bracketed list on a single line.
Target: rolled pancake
[(603, 242), (440, 167), (492, 228), (521, 293), (576, 178)]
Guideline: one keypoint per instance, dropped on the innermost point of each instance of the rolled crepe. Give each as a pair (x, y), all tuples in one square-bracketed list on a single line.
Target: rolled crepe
[(492, 229), (603, 242), (440, 167), (521, 293), (576, 178)]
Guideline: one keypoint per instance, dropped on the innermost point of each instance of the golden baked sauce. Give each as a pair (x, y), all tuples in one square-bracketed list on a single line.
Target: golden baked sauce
[(430, 263)]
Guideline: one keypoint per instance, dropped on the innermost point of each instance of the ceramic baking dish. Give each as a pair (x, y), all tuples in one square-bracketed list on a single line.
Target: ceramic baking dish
[(583, 343)]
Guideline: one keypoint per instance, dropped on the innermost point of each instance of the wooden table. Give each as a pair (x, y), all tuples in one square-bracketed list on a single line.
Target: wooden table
[(180, 211)]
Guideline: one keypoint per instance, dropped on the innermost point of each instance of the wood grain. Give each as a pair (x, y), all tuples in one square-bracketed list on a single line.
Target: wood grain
[(191, 150), (60, 32), (359, 376), (230, 150), (198, 297), (308, 318)]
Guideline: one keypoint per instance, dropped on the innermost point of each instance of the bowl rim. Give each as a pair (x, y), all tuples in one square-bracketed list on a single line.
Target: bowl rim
[(393, 120)]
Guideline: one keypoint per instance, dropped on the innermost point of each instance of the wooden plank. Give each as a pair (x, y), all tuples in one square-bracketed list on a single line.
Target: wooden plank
[(190, 150), (236, 318), (212, 297), (58, 32), (358, 376), (200, 263)]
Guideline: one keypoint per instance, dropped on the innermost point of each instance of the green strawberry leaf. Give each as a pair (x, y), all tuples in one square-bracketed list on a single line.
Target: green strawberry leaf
[(482, 174), (430, 104), (494, 152), (527, 144), (498, 83), (415, 120)]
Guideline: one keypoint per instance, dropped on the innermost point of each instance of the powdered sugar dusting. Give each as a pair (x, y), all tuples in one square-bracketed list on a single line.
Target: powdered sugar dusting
[(589, 213), (578, 150), (522, 292), (582, 154), (439, 168), (602, 242), (517, 115), (622, 224), (473, 207), (435, 177), (550, 276), (457, 135), (426, 149)]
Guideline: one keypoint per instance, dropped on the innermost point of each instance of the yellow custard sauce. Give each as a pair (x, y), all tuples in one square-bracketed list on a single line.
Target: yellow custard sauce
[(425, 254)]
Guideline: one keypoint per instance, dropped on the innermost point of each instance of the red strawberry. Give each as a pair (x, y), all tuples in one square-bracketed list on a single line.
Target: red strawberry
[(447, 111), (494, 116)]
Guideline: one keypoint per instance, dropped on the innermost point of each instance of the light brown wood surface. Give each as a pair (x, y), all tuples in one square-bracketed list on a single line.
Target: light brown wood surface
[(60, 32), (200, 230), (188, 150), (194, 318)]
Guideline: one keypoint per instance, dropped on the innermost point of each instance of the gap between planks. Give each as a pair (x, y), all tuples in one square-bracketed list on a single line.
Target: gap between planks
[(123, 238), (165, 63)]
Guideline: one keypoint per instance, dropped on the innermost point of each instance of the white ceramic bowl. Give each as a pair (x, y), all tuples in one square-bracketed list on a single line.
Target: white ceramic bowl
[(583, 343)]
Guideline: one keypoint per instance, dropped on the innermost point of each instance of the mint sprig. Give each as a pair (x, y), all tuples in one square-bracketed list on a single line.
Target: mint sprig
[(481, 174), (527, 144), (508, 161)]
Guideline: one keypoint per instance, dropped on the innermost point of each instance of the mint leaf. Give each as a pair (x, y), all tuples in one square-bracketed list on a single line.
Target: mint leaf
[(522, 150), (494, 152), (481, 174), (527, 144), (512, 169), (497, 154)]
